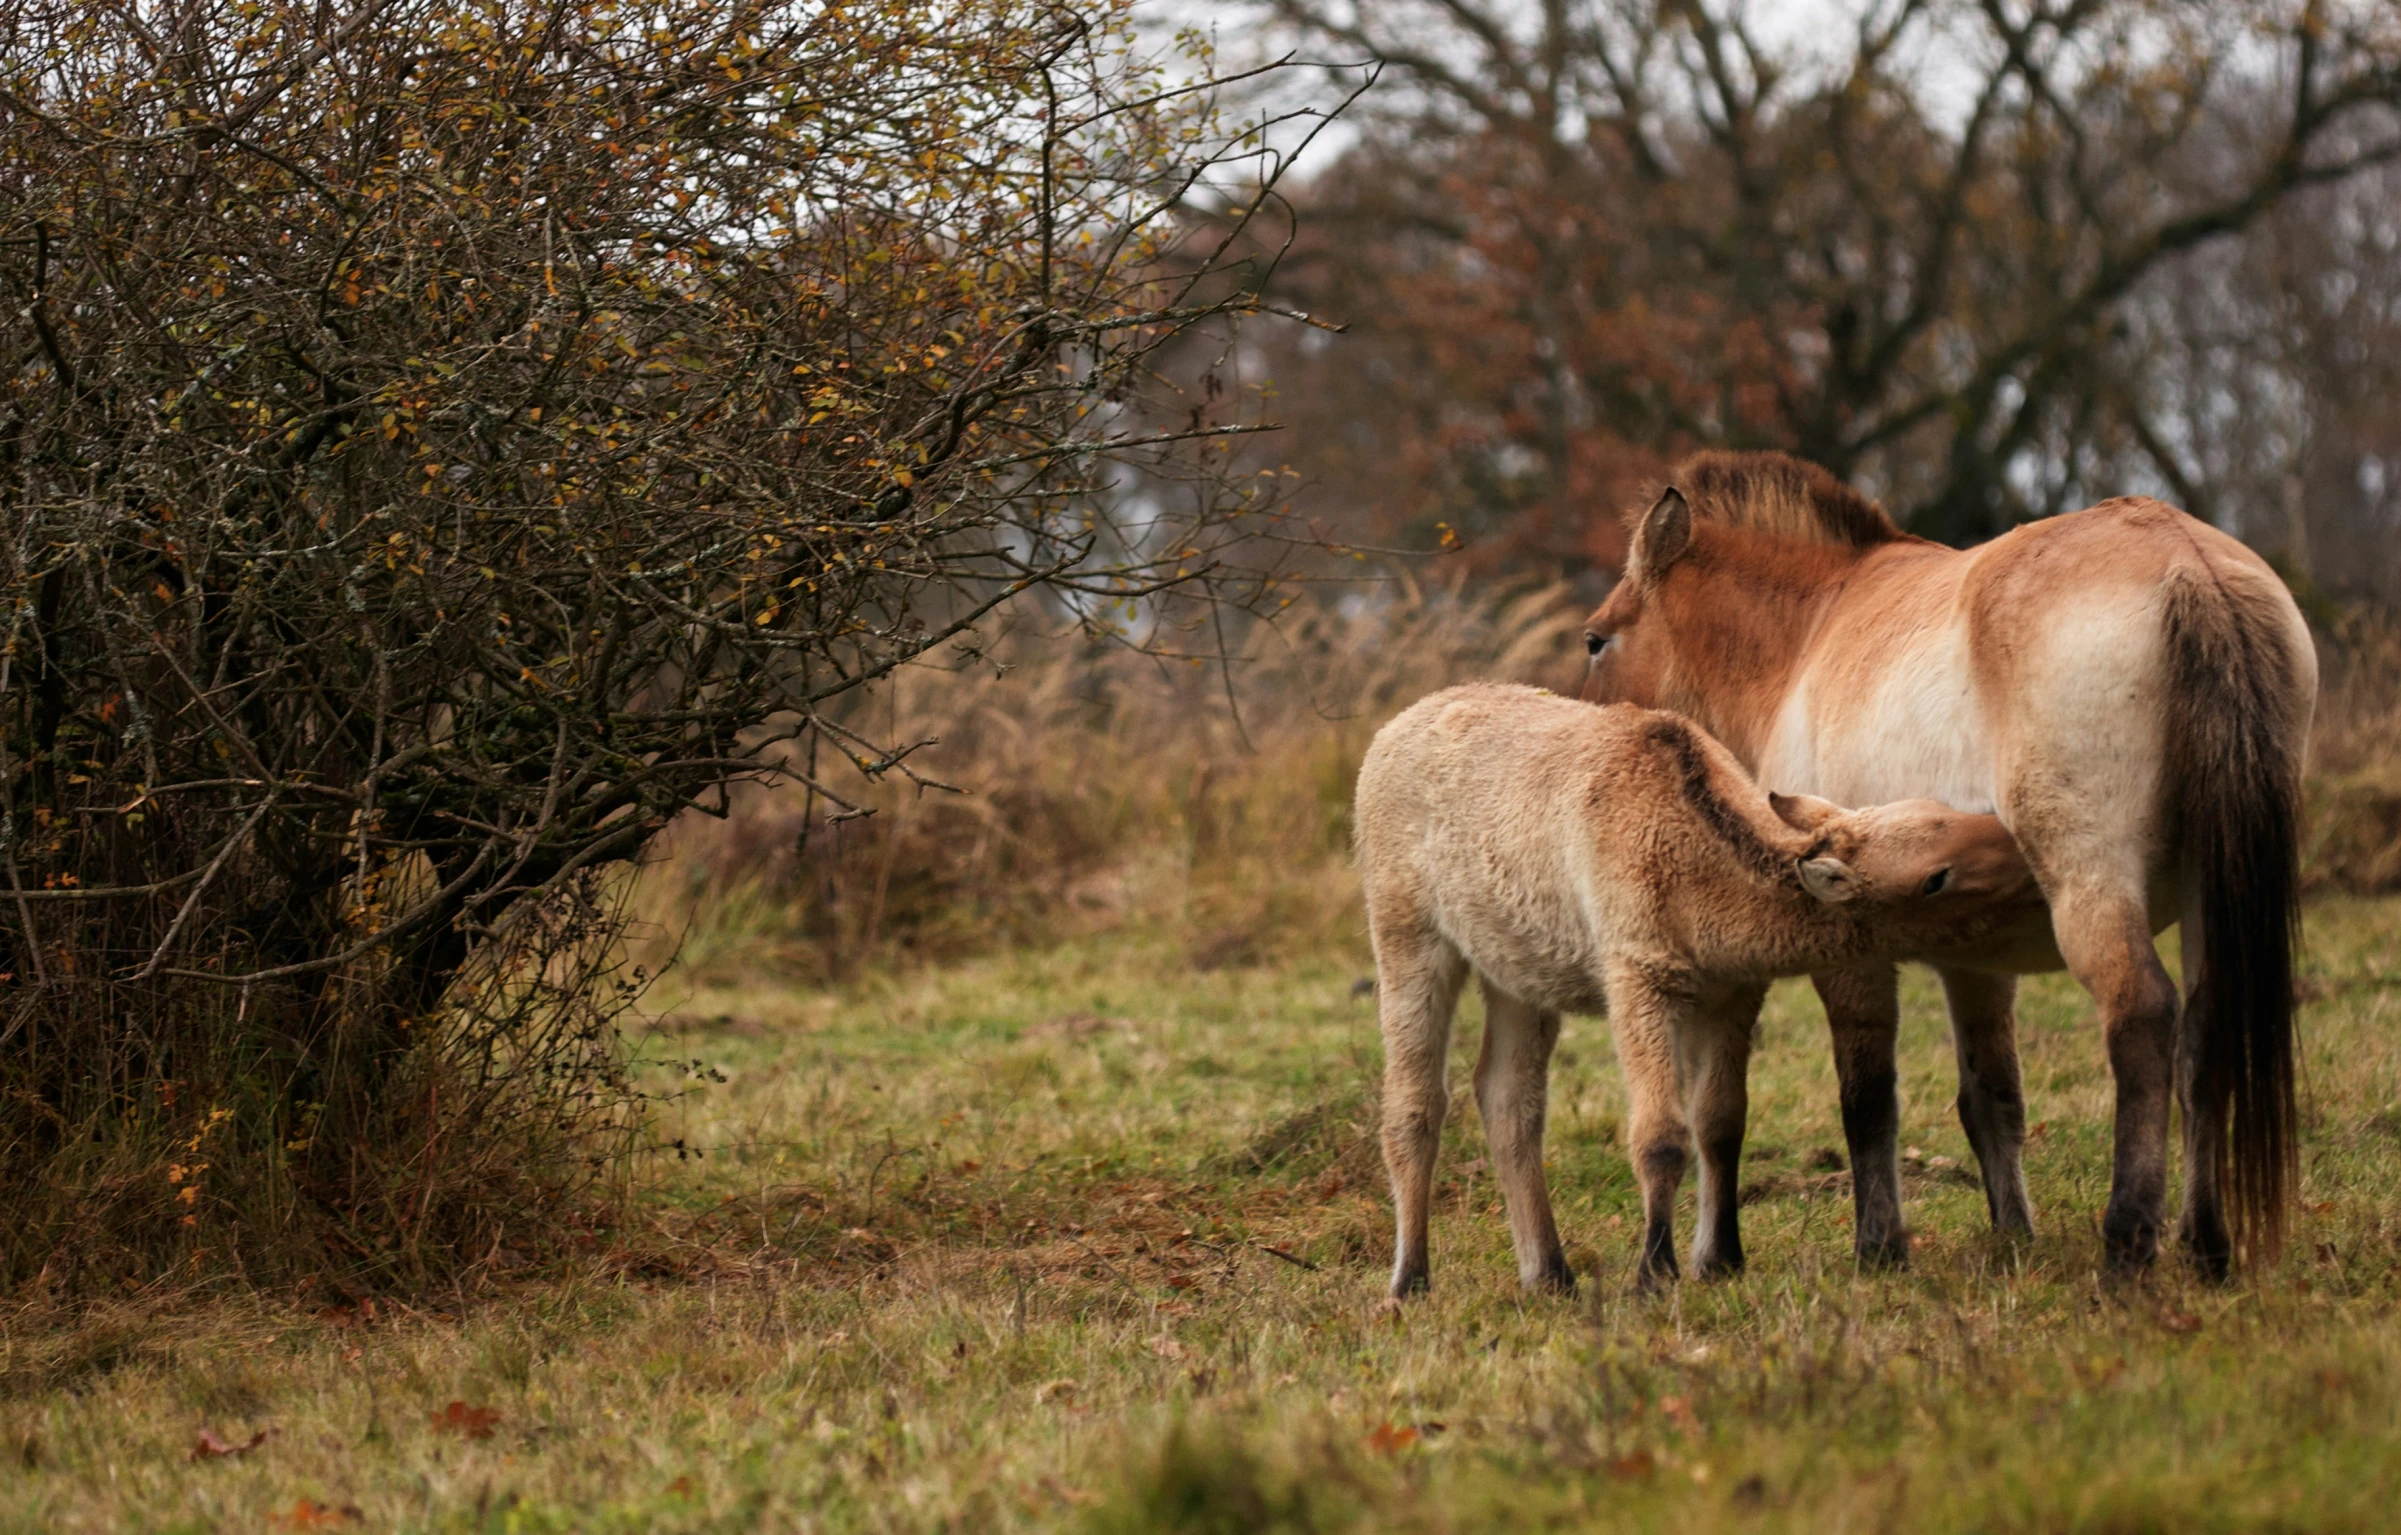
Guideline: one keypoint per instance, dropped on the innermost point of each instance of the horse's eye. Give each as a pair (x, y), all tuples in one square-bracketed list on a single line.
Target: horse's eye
[(1594, 644), (1936, 880)]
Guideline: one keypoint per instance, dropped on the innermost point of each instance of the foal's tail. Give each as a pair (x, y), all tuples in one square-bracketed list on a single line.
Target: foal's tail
[(2233, 766)]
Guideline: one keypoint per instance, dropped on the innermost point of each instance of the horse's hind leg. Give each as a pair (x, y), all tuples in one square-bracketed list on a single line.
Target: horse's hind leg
[(1418, 975), (1992, 1098), (1717, 1065), (1513, 1094), (1863, 1013), (2104, 934)]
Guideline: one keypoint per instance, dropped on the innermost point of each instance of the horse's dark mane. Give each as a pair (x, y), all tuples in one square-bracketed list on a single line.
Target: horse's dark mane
[(1691, 763), (1787, 497)]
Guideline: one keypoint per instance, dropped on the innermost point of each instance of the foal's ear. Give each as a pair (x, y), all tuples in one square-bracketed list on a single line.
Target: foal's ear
[(1802, 812), (1829, 879), (1665, 532)]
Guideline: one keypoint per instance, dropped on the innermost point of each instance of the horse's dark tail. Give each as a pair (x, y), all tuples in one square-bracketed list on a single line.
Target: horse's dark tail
[(2235, 729)]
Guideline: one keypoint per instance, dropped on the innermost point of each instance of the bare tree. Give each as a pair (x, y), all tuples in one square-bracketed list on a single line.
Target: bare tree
[(1587, 235)]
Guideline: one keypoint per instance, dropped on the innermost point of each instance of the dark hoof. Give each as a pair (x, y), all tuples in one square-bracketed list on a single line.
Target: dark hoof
[(2129, 1246), (1555, 1279), (2011, 1216), (1883, 1255), (1656, 1278), (2210, 1253), (1718, 1268), (2018, 1228), (1409, 1284)]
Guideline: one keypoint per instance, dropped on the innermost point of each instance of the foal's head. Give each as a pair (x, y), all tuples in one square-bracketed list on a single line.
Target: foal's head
[(1910, 851)]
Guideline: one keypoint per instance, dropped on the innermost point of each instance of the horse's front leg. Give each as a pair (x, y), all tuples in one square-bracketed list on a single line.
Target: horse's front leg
[(1863, 1011), (1717, 1067), (1649, 1008), (1992, 1097)]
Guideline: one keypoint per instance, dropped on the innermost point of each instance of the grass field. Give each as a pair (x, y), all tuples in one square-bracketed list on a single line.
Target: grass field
[(1088, 1237)]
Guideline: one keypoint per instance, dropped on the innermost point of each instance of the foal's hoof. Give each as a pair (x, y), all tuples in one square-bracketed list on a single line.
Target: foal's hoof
[(2129, 1246), (1655, 1278), (1408, 1284), (2213, 1262), (1883, 1255), (1718, 1268), (1555, 1278)]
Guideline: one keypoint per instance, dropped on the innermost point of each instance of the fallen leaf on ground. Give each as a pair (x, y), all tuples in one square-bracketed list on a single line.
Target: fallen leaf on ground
[(1388, 1440), (305, 1515), (474, 1422), (1166, 1347), (2179, 1321), (1633, 1467), (214, 1446)]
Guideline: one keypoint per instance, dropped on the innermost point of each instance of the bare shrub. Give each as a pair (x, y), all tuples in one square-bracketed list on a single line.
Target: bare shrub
[(441, 444)]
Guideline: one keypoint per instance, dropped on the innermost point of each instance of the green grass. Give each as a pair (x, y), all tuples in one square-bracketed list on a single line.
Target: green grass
[(1087, 1238)]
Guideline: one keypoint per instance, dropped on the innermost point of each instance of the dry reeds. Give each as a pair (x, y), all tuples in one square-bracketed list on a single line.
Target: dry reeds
[(2354, 784), (1104, 788), (1101, 787)]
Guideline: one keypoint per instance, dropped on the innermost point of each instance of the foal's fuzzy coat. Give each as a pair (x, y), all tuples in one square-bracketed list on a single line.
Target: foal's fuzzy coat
[(1587, 859)]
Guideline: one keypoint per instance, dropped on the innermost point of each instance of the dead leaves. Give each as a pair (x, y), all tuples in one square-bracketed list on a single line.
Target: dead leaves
[(215, 1446), (468, 1422), (1385, 1439), (307, 1515), (1391, 1439)]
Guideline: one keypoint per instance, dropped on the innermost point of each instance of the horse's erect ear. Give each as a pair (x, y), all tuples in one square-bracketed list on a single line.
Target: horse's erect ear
[(1665, 532)]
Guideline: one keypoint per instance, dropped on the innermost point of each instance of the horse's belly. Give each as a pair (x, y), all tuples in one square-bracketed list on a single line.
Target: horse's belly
[(1541, 951), (1909, 730)]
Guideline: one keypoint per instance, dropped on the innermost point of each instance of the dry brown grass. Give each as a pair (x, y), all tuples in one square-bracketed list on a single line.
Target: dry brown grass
[(1101, 788), (1106, 789), (2355, 766)]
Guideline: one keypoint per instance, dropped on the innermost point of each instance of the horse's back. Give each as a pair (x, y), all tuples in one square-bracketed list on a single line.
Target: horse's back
[(2031, 676)]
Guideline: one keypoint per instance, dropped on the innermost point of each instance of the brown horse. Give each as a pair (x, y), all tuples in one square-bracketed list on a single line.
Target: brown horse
[(2128, 688)]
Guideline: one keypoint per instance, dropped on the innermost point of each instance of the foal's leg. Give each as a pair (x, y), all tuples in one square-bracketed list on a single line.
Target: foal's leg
[(1863, 1012), (2104, 934), (1418, 975), (2203, 1228), (1992, 1099), (1512, 1093), (1647, 1012), (1717, 1063)]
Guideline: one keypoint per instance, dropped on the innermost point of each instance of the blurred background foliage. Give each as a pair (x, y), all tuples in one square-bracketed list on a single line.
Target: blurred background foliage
[(1989, 259)]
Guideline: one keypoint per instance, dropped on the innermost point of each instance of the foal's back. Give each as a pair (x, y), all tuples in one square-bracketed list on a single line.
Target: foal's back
[(1490, 811)]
